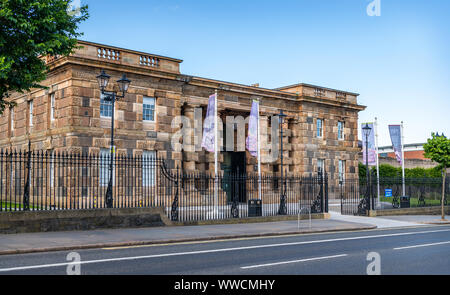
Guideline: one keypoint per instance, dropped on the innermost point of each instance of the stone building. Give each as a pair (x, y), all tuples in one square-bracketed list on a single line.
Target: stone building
[(320, 129)]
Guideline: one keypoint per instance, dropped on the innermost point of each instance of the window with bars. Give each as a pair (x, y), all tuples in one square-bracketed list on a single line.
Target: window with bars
[(341, 170), (320, 165), (52, 168), (148, 168), (105, 159), (148, 110)]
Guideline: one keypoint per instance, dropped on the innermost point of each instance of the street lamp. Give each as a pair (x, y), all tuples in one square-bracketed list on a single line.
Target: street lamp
[(366, 132), (123, 83), (282, 210)]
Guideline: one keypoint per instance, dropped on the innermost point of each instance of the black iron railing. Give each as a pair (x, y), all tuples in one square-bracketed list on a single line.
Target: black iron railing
[(43, 180), (356, 194), (421, 192)]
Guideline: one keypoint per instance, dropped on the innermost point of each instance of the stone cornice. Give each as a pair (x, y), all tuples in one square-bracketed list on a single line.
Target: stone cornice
[(227, 87)]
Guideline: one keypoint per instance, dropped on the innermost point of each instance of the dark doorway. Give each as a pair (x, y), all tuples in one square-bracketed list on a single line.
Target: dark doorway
[(234, 176)]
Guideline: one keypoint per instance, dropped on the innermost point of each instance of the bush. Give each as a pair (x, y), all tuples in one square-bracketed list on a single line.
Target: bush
[(387, 170)]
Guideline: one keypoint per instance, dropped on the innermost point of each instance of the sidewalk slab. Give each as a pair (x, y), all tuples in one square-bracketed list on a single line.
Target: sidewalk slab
[(379, 222), (60, 241), (421, 219)]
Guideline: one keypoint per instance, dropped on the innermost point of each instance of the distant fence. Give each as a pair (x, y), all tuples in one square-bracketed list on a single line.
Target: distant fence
[(355, 194), (422, 192), (43, 180)]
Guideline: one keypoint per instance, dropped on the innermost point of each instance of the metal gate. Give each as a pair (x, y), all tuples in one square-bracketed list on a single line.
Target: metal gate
[(355, 196)]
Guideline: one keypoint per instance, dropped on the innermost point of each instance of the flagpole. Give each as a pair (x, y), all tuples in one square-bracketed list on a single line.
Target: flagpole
[(378, 170), (403, 160), (216, 151), (259, 158)]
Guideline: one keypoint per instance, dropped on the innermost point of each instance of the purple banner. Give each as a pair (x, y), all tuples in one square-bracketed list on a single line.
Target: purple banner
[(396, 139), (371, 145), (208, 140), (252, 139)]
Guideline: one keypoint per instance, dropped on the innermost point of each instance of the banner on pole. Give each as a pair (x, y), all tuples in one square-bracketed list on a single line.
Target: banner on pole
[(208, 126), (396, 139), (252, 139), (371, 146)]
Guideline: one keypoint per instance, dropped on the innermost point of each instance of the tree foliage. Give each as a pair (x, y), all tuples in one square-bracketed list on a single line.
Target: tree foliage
[(31, 29), (437, 149)]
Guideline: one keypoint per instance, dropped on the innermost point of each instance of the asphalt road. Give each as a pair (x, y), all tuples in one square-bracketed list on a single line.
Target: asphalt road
[(422, 250)]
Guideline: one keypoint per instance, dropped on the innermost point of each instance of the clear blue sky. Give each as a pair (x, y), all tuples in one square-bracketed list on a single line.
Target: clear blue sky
[(399, 62)]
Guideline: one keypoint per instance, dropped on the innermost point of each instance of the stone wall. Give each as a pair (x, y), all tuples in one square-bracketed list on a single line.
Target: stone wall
[(435, 210), (43, 221)]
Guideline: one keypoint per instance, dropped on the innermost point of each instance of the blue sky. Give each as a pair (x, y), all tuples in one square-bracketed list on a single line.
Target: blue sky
[(398, 62)]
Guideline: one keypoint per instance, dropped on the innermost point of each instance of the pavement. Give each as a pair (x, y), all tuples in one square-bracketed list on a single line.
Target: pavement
[(379, 222), (419, 219), (59, 241)]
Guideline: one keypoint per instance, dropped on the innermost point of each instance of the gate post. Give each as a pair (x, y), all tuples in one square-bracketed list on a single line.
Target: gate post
[(174, 211)]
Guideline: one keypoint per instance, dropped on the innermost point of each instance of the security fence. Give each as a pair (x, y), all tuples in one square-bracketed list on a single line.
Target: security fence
[(44, 180)]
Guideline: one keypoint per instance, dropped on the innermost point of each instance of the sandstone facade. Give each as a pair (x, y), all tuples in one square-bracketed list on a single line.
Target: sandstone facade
[(77, 125)]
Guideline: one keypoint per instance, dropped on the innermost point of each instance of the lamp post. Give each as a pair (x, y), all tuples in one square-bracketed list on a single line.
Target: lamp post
[(366, 132), (282, 209), (112, 96), (444, 174)]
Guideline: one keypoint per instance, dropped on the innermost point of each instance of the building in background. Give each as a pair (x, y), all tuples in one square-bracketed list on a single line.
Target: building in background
[(414, 156)]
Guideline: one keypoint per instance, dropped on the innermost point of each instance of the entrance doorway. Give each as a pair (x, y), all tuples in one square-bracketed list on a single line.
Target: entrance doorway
[(233, 184)]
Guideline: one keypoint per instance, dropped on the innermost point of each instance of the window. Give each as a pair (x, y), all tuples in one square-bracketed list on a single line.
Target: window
[(148, 110), (105, 158), (105, 107), (319, 128), (30, 110), (11, 110), (52, 107), (340, 130), (341, 170), (148, 168), (320, 165)]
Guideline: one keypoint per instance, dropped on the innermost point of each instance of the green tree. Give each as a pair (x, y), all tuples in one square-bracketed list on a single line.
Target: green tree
[(31, 29), (437, 149)]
